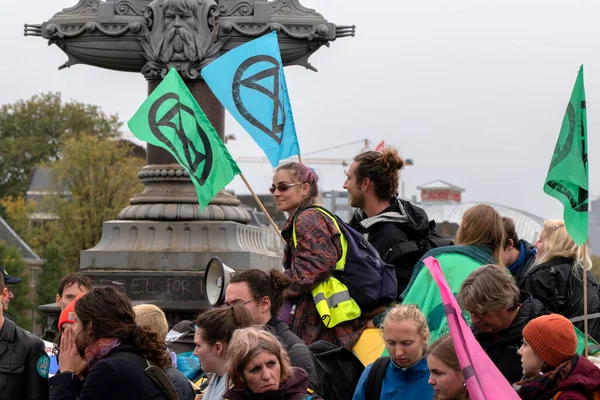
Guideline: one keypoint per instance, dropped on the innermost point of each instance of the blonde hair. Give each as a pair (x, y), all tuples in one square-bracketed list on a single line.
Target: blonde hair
[(409, 312), (153, 317), (247, 343), (489, 288), (482, 225), (558, 243), (443, 350)]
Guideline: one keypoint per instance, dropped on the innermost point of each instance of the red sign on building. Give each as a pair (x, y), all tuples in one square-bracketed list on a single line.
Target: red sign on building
[(440, 195)]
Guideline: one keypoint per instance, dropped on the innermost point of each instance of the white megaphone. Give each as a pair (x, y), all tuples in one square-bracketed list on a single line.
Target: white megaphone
[(216, 279)]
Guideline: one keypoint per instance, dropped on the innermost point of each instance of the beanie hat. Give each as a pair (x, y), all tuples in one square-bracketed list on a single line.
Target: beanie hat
[(552, 337), (66, 316)]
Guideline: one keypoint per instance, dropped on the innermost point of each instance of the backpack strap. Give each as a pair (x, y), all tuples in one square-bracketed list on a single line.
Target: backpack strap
[(323, 210), (376, 374), (152, 371)]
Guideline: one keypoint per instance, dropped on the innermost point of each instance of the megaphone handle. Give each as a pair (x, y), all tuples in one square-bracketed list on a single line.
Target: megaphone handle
[(262, 207)]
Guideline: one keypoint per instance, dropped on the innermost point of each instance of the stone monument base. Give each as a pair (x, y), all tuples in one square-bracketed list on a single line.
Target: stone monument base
[(163, 262)]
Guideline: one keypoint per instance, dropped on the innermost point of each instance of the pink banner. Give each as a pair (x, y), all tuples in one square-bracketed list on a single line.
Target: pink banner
[(483, 379)]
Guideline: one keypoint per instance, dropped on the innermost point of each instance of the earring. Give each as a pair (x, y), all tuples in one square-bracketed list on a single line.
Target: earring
[(464, 384)]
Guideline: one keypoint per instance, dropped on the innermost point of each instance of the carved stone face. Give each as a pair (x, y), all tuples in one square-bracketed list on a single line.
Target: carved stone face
[(180, 37), (179, 19)]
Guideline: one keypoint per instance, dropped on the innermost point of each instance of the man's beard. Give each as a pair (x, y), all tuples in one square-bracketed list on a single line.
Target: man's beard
[(179, 45), (357, 200)]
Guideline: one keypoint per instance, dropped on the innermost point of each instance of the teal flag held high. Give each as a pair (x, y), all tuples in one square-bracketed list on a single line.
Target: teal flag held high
[(250, 83), (172, 119), (567, 179)]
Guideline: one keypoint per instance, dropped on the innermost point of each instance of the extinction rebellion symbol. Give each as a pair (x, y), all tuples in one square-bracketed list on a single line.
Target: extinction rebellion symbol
[(251, 82), (193, 156)]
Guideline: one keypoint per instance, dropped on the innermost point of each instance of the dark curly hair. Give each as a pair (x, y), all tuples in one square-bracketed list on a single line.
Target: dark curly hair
[(269, 284), (112, 316), (382, 169)]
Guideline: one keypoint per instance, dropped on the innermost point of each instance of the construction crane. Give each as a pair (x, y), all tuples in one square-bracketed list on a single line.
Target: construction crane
[(344, 162), (311, 160)]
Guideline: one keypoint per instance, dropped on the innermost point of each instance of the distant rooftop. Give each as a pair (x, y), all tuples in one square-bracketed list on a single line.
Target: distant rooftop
[(439, 185), (40, 181), (528, 226), (10, 237)]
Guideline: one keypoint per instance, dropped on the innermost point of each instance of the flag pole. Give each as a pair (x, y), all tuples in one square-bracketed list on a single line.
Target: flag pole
[(585, 301), (299, 158), (262, 207)]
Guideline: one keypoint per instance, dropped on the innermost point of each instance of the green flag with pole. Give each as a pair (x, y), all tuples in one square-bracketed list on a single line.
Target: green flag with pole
[(567, 179), (172, 119)]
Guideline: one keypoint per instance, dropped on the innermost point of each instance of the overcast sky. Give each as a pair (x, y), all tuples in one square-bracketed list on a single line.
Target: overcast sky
[(474, 91)]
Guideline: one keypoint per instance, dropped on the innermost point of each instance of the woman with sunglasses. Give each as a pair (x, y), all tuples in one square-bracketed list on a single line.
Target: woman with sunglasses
[(310, 257)]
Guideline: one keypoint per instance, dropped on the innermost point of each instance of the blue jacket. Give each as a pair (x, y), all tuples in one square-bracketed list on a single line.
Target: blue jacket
[(399, 383)]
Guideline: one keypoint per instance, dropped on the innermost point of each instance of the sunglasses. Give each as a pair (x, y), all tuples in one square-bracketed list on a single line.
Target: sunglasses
[(283, 187)]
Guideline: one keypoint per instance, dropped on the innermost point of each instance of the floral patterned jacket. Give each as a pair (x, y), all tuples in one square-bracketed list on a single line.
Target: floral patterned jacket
[(310, 263)]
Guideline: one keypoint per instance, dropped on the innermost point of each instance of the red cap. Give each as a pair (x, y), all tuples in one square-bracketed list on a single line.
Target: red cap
[(66, 316)]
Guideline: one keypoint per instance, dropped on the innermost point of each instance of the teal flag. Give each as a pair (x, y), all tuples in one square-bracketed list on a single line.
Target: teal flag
[(250, 83), (172, 119), (567, 179)]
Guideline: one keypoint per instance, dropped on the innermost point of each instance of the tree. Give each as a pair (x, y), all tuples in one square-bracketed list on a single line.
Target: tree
[(53, 270), (20, 308), (33, 131), (93, 180)]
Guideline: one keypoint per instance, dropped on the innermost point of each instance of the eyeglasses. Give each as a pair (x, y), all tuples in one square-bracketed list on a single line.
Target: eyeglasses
[(283, 187), (239, 302)]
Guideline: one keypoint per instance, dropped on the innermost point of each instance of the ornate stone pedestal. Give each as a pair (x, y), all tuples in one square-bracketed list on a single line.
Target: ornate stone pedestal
[(158, 248)]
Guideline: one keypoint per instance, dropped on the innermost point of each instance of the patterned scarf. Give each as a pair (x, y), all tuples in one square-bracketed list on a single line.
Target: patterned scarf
[(99, 349), (536, 388)]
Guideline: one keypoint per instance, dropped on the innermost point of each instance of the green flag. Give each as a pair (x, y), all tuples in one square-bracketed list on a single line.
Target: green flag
[(172, 119), (567, 179)]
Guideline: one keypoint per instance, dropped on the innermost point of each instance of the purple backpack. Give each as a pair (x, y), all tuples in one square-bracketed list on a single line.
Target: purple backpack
[(371, 281)]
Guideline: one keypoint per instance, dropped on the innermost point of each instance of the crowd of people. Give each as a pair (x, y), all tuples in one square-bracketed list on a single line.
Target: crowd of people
[(524, 303)]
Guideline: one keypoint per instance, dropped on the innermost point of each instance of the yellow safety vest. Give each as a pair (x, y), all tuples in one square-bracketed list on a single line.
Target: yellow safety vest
[(332, 297)]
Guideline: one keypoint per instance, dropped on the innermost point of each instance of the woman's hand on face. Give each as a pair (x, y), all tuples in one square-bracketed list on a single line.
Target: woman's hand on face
[(69, 358)]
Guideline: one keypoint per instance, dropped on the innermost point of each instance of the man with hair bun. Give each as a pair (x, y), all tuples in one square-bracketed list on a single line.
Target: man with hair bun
[(262, 294), (389, 223)]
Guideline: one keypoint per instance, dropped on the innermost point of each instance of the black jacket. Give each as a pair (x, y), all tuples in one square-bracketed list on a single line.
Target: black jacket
[(399, 223), (294, 389), (111, 378), (24, 364), (300, 354), (182, 385), (556, 285), (502, 346)]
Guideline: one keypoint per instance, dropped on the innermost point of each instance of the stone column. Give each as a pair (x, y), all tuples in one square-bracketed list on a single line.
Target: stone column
[(158, 248)]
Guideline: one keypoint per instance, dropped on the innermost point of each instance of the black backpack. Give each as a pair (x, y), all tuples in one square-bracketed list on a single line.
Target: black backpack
[(341, 370), (409, 252), (375, 378), (158, 376)]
